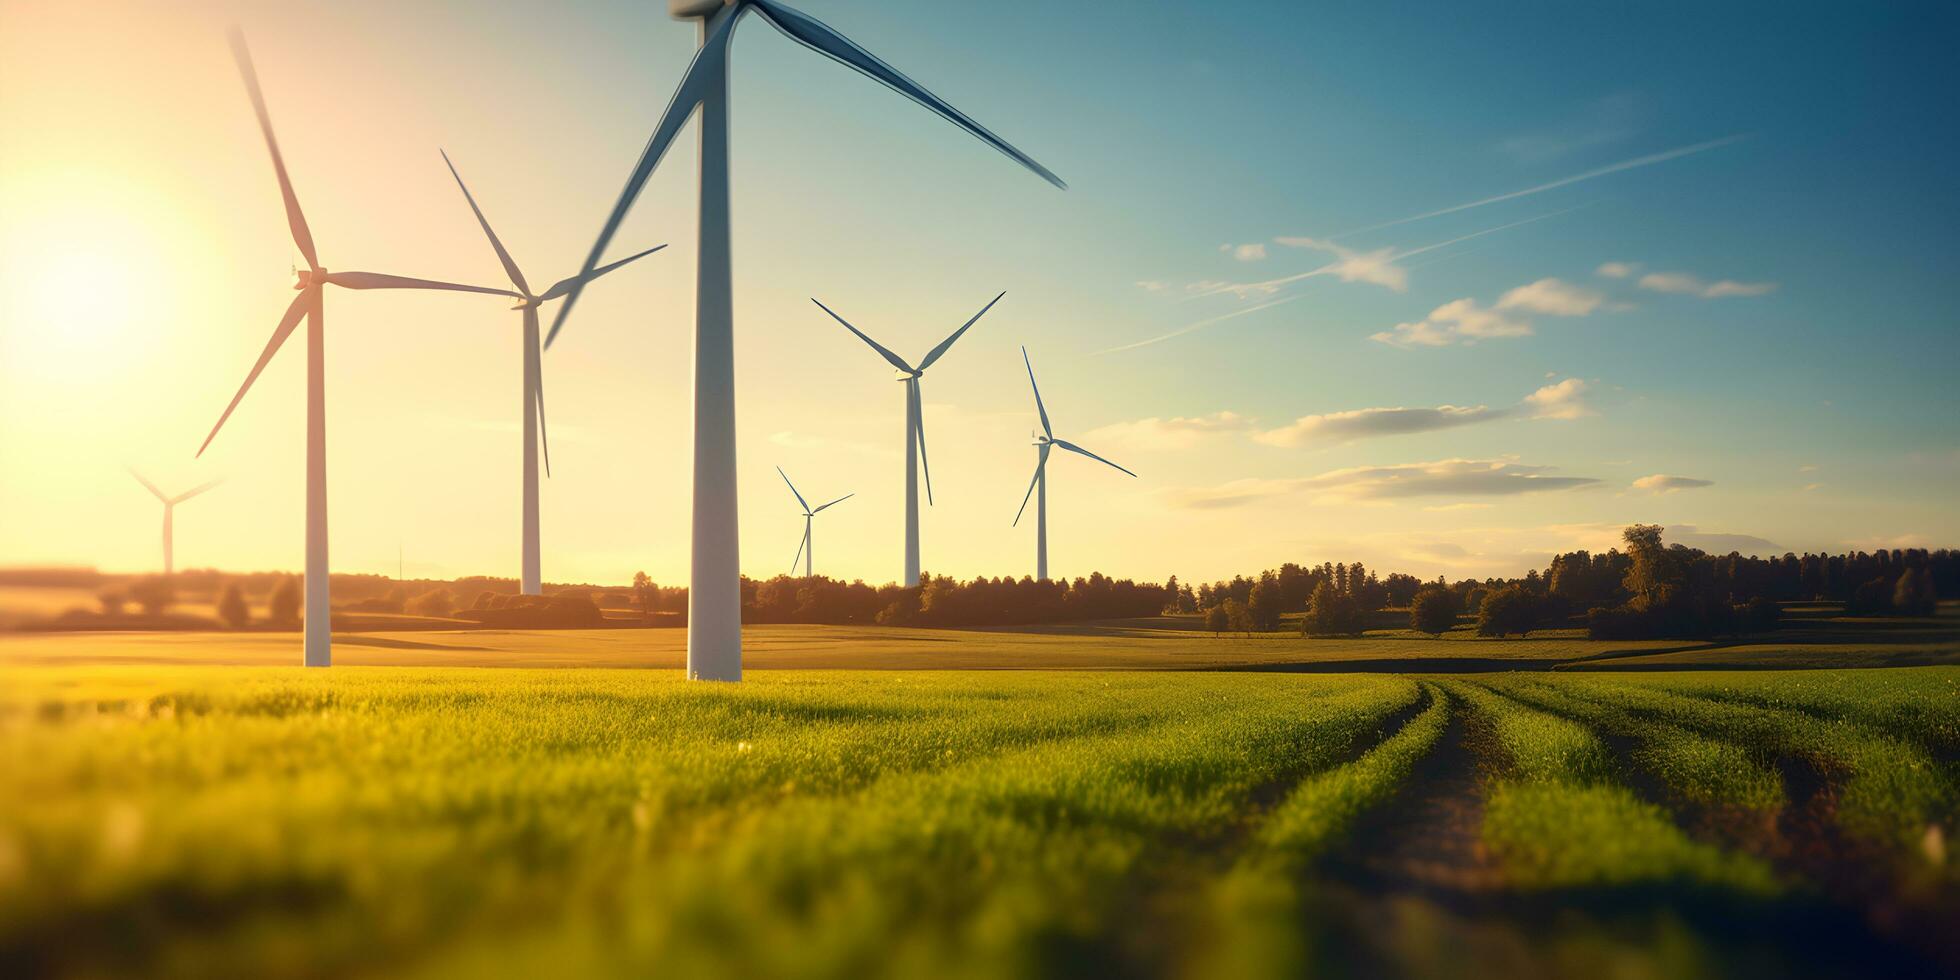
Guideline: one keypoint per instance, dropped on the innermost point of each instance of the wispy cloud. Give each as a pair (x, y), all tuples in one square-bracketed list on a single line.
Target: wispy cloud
[(1366, 423), (1245, 253), (1643, 161), (1200, 325), (1168, 434), (1719, 542), (1466, 321), (1617, 270), (1441, 478), (1682, 283), (1613, 119), (1664, 483)]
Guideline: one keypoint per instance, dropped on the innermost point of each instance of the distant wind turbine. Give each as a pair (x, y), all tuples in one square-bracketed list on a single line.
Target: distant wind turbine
[(714, 596), (915, 427), (531, 581), (169, 511), (807, 551), (309, 304), (1038, 487)]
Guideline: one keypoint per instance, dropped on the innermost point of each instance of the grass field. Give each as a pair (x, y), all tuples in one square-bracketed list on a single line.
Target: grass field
[(167, 816)]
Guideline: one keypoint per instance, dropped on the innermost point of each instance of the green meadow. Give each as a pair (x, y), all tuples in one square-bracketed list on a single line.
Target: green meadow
[(175, 818)]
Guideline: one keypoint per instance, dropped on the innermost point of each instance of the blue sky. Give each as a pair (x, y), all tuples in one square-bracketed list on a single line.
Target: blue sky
[(1777, 341)]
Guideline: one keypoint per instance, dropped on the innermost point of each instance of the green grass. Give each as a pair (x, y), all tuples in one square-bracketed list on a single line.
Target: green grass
[(280, 822)]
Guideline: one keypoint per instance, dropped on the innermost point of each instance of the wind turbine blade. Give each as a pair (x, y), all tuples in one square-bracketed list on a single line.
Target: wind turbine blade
[(503, 255), (1072, 447), (302, 236), (1038, 467), (818, 37), (919, 412), (147, 485), (544, 440), (378, 280), (834, 503), (896, 361), (709, 61), (792, 489), (279, 334), (563, 286), (944, 345), (1037, 395), (188, 494), (800, 543)]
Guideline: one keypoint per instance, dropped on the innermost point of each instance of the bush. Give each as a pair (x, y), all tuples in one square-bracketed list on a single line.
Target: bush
[(113, 602), (283, 607), (1330, 613), (155, 594), (438, 603), (232, 609), (1758, 615), (1217, 620), (1433, 611), (1507, 610)]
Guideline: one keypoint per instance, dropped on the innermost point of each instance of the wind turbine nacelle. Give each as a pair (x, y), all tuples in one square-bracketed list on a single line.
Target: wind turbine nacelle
[(695, 9), (306, 277)]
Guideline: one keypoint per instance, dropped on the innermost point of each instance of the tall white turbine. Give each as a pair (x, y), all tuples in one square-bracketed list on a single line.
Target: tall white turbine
[(807, 550), (169, 511), (531, 576), (310, 304), (1038, 487), (915, 427), (714, 597)]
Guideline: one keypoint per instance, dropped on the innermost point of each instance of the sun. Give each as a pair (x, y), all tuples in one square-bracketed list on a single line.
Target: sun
[(83, 274)]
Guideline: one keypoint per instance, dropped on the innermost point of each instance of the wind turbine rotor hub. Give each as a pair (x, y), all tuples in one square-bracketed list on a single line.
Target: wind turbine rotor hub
[(696, 9), (309, 277)]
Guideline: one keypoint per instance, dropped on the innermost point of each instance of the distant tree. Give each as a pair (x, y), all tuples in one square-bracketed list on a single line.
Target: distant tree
[(232, 608), (1238, 620), (1473, 601), (1914, 595), (113, 601), (1654, 573), (1218, 620), (1759, 615), (1507, 610), (1433, 611), (1330, 613), (1401, 589), (154, 593), (1262, 608), (438, 603), (283, 607)]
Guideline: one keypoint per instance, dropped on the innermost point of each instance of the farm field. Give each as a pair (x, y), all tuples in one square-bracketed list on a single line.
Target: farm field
[(1816, 639), (455, 821)]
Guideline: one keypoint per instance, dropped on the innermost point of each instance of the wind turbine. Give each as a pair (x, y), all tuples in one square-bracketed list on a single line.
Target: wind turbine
[(714, 596), (531, 580), (1043, 443), (169, 511), (915, 428), (806, 550), (310, 305)]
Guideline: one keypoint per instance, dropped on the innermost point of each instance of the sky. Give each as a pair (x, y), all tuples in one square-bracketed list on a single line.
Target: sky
[(1439, 288)]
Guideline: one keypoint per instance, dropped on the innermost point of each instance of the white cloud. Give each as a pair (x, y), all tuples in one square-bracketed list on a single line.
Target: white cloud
[(1682, 283), (1172, 433), (1153, 285), (1375, 267), (1564, 400), (1663, 483), (1552, 297), (1617, 270), (1453, 322), (1464, 321), (1365, 422), (1881, 542), (1245, 253), (1441, 478)]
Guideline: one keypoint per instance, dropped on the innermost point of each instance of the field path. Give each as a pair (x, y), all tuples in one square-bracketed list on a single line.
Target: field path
[(1429, 839)]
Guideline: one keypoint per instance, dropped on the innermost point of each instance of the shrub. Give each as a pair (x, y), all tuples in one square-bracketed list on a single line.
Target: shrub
[(437, 603), (1433, 611), (232, 609), (155, 594), (283, 607), (113, 601), (1217, 620), (1507, 610)]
